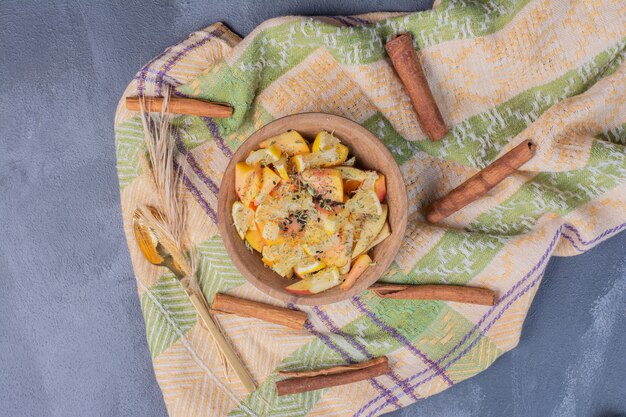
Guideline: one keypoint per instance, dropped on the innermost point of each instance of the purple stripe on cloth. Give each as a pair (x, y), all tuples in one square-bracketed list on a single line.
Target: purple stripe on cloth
[(384, 391), (343, 20), (597, 238), (151, 76), (537, 266), (146, 68), (205, 205), (573, 242), (326, 320), (358, 20), (172, 60), (394, 333), (361, 348), (194, 164), (471, 345), (218, 139)]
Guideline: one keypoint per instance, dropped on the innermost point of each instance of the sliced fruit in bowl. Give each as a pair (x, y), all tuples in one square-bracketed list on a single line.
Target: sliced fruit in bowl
[(316, 204), (316, 283)]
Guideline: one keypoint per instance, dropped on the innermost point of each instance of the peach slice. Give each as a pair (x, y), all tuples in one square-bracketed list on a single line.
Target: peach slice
[(325, 182), (255, 240), (358, 267), (290, 142), (380, 187), (350, 186), (270, 181), (247, 182)]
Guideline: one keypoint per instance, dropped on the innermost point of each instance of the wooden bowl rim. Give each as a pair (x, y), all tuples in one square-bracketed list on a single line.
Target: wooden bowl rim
[(248, 271)]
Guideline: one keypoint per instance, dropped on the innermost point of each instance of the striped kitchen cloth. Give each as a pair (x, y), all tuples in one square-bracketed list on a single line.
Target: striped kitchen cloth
[(501, 71)]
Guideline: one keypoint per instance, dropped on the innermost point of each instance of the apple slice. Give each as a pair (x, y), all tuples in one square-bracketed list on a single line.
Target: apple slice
[(352, 173), (282, 258), (325, 182), (358, 267), (243, 217), (364, 202), (290, 142), (328, 158), (384, 233), (316, 283), (264, 156), (370, 227)]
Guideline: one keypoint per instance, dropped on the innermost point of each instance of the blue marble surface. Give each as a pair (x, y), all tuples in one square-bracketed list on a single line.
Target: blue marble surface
[(71, 332)]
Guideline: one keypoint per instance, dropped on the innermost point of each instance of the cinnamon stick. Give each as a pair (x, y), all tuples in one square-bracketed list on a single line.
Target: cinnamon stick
[(479, 184), (223, 303), (457, 293), (180, 105), (310, 383), (407, 64), (335, 369)]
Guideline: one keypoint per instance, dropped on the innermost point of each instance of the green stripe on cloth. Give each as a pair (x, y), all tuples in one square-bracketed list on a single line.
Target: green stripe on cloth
[(129, 143), (478, 140), (166, 309), (557, 192), (168, 313), (266, 58)]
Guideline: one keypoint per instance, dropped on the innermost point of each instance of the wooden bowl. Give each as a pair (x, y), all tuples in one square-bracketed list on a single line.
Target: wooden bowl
[(370, 153)]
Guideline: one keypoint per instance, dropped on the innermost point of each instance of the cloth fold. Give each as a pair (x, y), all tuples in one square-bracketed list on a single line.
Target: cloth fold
[(502, 72)]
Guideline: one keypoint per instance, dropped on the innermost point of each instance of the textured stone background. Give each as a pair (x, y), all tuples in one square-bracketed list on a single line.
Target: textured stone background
[(71, 333)]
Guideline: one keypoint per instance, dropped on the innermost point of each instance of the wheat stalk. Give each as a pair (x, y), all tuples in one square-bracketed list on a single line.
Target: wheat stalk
[(167, 178)]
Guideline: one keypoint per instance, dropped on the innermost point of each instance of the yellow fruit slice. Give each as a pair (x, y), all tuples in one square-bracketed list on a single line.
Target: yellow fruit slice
[(329, 222), (280, 167), (384, 233), (339, 255), (283, 257), (270, 232), (270, 181), (352, 173), (243, 217), (264, 156), (321, 281), (247, 182), (364, 202), (321, 159), (308, 266), (254, 239), (326, 182), (369, 228), (290, 142), (324, 141), (318, 248)]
